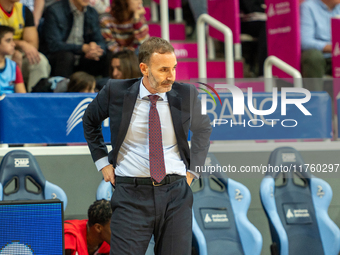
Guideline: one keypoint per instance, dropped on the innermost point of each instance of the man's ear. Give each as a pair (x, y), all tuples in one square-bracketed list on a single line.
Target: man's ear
[(144, 69), (98, 228)]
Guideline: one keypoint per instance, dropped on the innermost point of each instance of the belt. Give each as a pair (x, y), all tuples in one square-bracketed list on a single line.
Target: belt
[(148, 181)]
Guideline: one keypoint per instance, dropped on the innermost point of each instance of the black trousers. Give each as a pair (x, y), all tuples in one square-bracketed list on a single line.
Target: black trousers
[(63, 64), (142, 210)]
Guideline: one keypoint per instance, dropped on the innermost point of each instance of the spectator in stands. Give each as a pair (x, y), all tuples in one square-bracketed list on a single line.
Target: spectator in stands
[(10, 74), (90, 236), (36, 7), (316, 38), (253, 22), (81, 82), (125, 27), (73, 39), (78, 82), (124, 65), (34, 65)]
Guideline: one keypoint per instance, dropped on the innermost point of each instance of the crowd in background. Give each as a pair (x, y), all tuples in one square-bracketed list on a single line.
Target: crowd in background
[(53, 39), (75, 38)]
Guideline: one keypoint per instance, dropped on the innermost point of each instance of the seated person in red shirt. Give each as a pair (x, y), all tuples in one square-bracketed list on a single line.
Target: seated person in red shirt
[(92, 236)]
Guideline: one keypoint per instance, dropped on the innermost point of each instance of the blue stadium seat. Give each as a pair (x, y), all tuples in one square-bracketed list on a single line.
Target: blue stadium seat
[(220, 223), (21, 179), (296, 205), (105, 191)]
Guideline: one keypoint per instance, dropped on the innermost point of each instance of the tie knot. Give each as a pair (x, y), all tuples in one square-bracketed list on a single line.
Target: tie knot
[(153, 99)]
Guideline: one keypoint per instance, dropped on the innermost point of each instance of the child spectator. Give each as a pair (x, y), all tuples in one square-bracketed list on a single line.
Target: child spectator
[(125, 28), (78, 82), (34, 65), (10, 74), (81, 82)]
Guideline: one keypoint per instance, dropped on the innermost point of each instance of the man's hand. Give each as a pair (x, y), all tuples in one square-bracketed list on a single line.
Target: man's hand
[(92, 51), (327, 48), (109, 174), (17, 58), (31, 53), (189, 178)]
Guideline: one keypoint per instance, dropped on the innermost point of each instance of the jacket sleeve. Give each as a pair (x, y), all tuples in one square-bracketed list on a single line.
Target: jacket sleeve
[(53, 34), (96, 112), (201, 130)]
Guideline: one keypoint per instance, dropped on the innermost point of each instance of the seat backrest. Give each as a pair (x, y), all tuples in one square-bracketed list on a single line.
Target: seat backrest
[(296, 205), (220, 223), (104, 190), (21, 179)]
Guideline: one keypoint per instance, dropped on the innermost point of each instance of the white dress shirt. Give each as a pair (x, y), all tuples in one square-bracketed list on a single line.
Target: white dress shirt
[(133, 155)]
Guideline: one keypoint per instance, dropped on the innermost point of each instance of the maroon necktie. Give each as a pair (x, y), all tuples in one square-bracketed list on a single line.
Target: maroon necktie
[(156, 156)]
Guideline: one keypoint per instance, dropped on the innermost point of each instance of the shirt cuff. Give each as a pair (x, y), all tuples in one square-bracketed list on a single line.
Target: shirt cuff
[(101, 163), (196, 175)]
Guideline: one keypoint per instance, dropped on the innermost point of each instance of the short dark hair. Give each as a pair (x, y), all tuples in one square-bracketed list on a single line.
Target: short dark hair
[(128, 64), (4, 30), (99, 212), (152, 45), (80, 81)]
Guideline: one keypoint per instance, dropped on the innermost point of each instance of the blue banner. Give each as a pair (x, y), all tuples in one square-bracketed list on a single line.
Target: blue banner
[(45, 118), (249, 126), (57, 118)]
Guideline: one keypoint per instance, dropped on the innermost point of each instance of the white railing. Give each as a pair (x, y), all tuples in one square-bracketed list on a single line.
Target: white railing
[(228, 45), (268, 72), (165, 19), (154, 12), (164, 8)]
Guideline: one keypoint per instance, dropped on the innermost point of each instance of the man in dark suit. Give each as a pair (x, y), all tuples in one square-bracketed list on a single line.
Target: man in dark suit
[(150, 162)]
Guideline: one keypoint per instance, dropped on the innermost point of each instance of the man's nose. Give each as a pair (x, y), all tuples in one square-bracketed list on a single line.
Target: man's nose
[(115, 72), (172, 75)]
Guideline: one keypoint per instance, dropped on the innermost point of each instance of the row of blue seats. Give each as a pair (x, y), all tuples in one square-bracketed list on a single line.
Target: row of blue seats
[(297, 213)]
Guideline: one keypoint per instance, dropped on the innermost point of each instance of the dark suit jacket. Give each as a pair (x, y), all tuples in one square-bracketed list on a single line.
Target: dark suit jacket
[(117, 100)]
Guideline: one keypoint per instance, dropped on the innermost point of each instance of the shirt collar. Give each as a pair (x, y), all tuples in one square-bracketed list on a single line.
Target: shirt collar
[(143, 92)]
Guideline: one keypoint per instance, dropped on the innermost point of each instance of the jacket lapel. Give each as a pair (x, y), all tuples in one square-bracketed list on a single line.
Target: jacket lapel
[(175, 102), (130, 98)]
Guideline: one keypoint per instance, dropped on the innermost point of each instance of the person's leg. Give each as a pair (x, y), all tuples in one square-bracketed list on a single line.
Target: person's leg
[(36, 71), (173, 228), (329, 66), (132, 222), (262, 46), (313, 65), (93, 67), (62, 63), (257, 29)]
